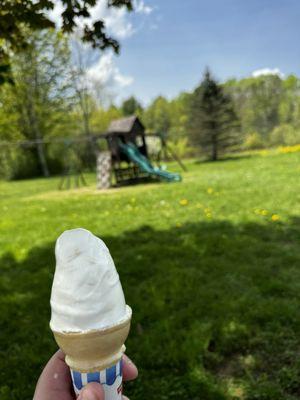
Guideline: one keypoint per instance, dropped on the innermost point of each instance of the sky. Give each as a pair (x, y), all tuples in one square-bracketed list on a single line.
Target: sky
[(167, 44)]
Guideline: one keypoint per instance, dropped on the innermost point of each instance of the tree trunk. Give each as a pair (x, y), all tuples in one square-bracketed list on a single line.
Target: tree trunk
[(40, 144), (214, 154), (90, 155), (42, 159), (38, 137), (86, 115), (33, 119)]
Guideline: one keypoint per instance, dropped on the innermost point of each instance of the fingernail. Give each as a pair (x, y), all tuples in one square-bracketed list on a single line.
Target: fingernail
[(125, 398)]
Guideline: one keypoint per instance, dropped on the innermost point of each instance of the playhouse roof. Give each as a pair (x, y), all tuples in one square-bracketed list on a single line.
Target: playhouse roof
[(123, 125)]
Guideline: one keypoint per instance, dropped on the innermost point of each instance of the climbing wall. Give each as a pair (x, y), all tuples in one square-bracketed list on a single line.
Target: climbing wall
[(104, 170)]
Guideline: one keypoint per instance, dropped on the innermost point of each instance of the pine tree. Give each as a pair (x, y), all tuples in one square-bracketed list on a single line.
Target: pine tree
[(214, 126), (131, 106)]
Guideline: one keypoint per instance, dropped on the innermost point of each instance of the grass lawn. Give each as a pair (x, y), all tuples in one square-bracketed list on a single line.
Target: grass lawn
[(210, 267)]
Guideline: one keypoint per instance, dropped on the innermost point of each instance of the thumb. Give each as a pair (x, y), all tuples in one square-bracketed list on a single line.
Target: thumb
[(92, 391)]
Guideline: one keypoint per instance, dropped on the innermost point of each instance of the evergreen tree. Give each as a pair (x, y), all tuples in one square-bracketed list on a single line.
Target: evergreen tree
[(131, 106), (213, 122)]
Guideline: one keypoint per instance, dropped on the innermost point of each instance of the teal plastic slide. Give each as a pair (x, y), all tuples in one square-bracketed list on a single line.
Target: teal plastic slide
[(144, 164)]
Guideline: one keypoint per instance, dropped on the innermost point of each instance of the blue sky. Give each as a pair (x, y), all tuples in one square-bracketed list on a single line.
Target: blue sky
[(166, 44), (172, 42)]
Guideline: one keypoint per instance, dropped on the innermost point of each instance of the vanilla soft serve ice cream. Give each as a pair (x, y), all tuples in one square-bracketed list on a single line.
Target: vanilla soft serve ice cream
[(86, 292), (90, 319)]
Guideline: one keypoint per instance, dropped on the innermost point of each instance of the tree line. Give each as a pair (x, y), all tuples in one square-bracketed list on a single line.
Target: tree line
[(51, 96), (256, 112)]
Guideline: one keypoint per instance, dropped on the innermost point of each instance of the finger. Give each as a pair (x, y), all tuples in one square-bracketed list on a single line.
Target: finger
[(130, 371), (125, 398), (57, 372), (92, 391), (59, 355), (54, 379)]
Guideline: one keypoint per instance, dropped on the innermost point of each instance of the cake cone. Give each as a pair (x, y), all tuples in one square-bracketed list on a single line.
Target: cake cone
[(95, 351), (89, 316)]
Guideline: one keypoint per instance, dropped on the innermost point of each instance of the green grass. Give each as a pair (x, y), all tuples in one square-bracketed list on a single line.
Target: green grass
[(213, 281)]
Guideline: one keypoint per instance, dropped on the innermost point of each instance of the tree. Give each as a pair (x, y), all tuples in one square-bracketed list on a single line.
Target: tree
[(258, 101), (284, 134), (157, 116), (16, 14), (102, 118), (178, 112), (289, 107), (83, 85), (131, 106), (213, 122), (42, 96)]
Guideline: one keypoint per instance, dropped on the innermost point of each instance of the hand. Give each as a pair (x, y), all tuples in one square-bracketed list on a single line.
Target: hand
[(55, 381)]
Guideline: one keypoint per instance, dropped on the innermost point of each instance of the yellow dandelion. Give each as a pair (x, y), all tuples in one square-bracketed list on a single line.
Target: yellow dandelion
[(184, 202), (208, 215), (275, 217), (207, 210), (210, 190), (264, 212), (289, 149)]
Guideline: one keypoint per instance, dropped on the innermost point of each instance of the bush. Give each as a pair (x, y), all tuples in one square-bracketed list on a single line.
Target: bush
[(23, 163), (284, 135), (254, 141), (181, 147), (18, 163)]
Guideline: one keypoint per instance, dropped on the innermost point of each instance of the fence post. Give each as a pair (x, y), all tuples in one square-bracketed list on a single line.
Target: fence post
[(104, 168)]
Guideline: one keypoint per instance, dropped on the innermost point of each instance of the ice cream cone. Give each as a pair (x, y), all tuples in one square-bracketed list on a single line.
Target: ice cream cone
[(89, 316), (96, 349)]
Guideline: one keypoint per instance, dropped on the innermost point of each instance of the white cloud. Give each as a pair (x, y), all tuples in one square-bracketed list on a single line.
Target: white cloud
[(102, 74), (141, 8), (107, 74), (105, 81), (267, 71), (117, 20)]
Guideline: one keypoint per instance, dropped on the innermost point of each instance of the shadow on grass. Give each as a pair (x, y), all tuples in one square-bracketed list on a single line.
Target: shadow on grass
[(216, 312)]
